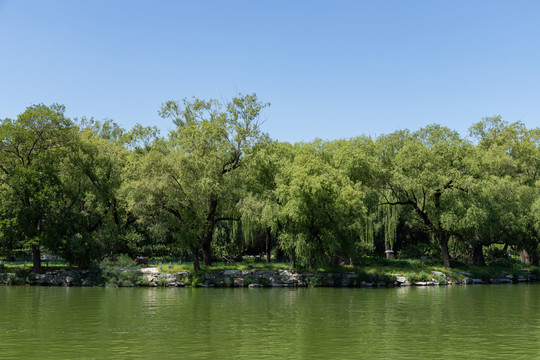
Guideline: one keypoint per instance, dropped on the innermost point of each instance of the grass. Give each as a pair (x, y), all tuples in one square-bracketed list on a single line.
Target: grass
[(372, 267), (171, 267)]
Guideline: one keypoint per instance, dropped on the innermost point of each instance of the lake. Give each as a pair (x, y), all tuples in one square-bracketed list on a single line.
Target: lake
[(446, 322)]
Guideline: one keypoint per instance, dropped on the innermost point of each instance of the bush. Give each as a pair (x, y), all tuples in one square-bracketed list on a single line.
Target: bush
[(422, 276), (197, 281), (385, 278), (494, 253), (484, 275), (20, 277), (313, 281), (415, 251), (121, 273), (162, 281), (439, 278), (506, 262)]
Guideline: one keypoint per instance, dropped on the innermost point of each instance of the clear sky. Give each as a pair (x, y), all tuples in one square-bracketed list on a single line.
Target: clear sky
[(331, 69)]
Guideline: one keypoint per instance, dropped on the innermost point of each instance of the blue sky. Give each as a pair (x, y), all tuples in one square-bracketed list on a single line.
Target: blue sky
[(330, 69)]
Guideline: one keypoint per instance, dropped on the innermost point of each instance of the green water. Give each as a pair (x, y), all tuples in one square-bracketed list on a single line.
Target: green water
[(454, 322)]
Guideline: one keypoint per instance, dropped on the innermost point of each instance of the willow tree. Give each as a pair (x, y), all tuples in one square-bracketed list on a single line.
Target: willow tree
[(321, 210), (426, 172), (192, 181), (32, 148), (260, 206), (510, 159)]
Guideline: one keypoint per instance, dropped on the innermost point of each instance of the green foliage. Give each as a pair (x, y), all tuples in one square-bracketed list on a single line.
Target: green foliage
[(415, 251), (21, 276), (422, 276), (197, 281), (439, 278), (382, 278), (314, 281), (484, 275), (162, 282), (121, 273), (216, 187)]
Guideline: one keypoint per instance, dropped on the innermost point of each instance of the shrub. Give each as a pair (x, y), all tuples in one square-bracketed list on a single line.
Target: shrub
[(439, 278), (263, 280), (121, 273), (536, 273), (197, 281), (417, 277), (415, 251), (162, 282), (313, 281), (494, 253)]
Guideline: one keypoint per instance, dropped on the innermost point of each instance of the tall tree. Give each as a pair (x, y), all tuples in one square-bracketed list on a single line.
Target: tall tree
[(32, 148), (426, 172), (193, 179)]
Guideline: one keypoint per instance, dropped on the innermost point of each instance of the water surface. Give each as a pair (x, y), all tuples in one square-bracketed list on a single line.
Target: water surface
[(451, 322)]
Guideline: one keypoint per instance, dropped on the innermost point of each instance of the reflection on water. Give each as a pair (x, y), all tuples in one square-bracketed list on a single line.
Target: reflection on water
[(496, 322)]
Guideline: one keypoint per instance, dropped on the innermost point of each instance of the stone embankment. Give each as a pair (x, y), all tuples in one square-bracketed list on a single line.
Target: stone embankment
[(264, 278)]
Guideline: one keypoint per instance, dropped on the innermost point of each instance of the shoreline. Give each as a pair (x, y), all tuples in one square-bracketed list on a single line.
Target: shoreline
[(151, 277)]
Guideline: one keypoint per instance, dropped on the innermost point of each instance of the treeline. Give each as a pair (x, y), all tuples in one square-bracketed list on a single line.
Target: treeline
[(217, 188)]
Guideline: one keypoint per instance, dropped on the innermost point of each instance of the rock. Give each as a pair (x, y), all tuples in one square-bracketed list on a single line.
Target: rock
[(503, 280), (149, 270), (479, 281), (366, 284), (255, 286), (401, 279)]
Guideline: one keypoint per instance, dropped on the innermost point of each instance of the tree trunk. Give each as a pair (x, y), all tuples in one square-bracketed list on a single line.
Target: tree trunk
[(388, 249), (293, 261), (207, 242), (196, 264), (207, 248), (268, 245), (278, 256), (529, 254), (524, 256), (534, 254), (443, 242), (476, 254), (36, 258)]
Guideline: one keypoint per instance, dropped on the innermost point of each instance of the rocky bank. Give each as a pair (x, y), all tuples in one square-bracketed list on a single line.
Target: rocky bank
[(259, 278)]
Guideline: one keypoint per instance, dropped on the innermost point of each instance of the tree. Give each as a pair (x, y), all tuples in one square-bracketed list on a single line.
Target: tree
[(426, 171), (192, 181), (321, 210), (510, 162), (32, 148)]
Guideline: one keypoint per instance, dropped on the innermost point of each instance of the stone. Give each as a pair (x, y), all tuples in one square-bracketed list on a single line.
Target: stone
[(149, 270), (255, 286), (401, 279), (479, 281)]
